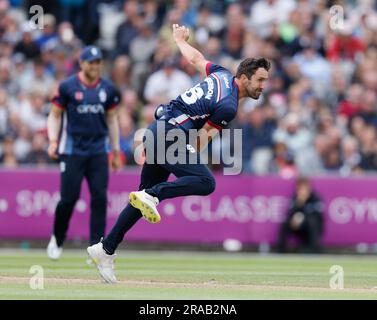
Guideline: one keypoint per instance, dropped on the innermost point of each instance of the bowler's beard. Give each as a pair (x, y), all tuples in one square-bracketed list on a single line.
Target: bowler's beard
[(254, 94)]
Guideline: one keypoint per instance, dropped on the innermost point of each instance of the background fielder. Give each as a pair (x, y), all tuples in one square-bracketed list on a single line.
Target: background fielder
[(82, 117)]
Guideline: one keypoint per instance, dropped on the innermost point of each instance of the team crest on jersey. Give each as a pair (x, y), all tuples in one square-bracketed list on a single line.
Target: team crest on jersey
[(79, 95), (102, 95)]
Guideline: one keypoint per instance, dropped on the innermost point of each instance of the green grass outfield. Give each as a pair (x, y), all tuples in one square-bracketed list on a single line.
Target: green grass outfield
[(190, 275)]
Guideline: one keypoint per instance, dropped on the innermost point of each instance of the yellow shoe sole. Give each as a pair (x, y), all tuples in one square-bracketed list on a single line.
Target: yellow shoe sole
[(148, 213)]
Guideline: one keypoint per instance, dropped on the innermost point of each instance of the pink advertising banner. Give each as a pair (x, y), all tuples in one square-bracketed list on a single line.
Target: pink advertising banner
[(246, 208)]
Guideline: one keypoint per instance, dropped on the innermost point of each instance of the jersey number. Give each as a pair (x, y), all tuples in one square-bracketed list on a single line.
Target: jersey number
[(192, 95)]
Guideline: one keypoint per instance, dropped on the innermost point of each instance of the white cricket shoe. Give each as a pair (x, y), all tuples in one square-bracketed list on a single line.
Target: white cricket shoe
[(103, 261), (146, 204), (53, 251)]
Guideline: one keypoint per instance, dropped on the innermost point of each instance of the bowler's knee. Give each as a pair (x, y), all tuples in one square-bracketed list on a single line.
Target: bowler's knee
[(209, 184)]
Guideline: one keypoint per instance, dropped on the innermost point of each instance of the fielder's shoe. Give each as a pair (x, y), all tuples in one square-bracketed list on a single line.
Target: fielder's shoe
[(103, 261), (146, 204), (53, 251)]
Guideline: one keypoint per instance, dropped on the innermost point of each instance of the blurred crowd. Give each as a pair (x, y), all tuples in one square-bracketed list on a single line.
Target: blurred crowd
[(318, 114)]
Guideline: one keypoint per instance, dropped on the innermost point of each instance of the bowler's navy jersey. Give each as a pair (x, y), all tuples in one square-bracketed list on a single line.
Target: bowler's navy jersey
[(84, 129), (213, 101)]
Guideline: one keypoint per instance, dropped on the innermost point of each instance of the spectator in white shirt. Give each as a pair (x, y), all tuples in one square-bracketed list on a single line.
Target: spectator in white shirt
[(166, 84)]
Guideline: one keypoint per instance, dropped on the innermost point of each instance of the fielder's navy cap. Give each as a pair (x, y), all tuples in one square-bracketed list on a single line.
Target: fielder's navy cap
[(91, 53)]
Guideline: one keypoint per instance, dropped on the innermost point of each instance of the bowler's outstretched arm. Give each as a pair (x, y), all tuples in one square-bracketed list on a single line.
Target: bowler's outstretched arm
[(181, 35)]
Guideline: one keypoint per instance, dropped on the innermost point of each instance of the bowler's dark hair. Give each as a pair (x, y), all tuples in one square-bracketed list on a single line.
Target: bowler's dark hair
[(250, 65)]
